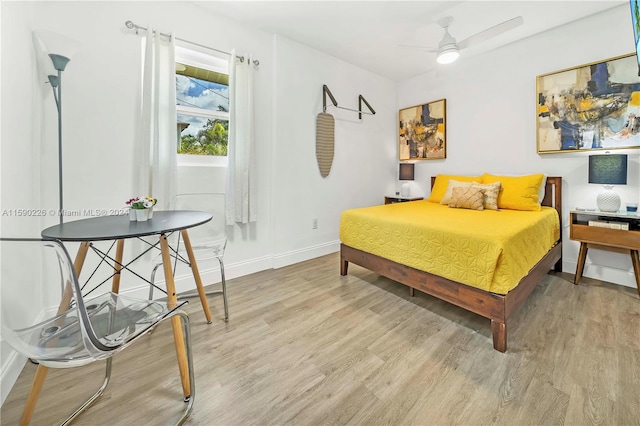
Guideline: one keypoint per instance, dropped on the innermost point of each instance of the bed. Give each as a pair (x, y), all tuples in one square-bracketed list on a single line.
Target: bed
[(495, 296)]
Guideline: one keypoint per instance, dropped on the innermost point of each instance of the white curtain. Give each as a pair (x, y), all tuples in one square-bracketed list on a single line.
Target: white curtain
[(241, 172), (157, 149)]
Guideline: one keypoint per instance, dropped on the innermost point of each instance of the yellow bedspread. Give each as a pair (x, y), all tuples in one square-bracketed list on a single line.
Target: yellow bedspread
[(491, 250)]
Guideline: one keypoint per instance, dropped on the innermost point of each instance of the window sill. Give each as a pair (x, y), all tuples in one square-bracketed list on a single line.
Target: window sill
[(185, 160)]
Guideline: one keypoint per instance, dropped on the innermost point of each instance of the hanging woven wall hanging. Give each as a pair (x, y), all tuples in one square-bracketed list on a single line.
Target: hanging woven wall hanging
[(325, 126)]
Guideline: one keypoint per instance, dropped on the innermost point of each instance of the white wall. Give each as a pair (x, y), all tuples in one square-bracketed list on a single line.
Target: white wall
[(364, 162), (491, 111), (101, 87), (19, 161)]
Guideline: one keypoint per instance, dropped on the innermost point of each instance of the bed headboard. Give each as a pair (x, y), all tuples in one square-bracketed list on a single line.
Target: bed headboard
[(552, 193)]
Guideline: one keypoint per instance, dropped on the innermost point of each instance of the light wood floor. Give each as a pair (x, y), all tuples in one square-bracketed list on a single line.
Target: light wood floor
[(305, 346)]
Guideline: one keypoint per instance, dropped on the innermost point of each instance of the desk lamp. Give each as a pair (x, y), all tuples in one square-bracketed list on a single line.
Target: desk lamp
[(608, 170), (406, 173)]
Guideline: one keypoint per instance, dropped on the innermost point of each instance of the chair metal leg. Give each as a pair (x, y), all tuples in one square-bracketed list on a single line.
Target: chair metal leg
[(190, 294), (210, 292), (192, 384), (153, 280), (224, 290), (95, 396)]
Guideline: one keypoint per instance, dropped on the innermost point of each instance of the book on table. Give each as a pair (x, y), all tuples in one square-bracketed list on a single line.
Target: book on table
[(624, 226)]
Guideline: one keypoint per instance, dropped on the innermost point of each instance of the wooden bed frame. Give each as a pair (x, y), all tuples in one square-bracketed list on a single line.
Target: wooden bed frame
[(497, 307)]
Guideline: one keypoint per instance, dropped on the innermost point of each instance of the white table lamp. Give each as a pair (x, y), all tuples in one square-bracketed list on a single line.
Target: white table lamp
[(608, 170), (407, 174)]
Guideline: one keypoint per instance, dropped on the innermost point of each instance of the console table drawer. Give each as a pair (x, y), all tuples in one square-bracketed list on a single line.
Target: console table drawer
[(605, 236)]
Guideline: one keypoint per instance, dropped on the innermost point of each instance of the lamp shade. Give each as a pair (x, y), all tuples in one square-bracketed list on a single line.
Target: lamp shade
[(608, 169), (406, 171), (448, 55), (47, 43)]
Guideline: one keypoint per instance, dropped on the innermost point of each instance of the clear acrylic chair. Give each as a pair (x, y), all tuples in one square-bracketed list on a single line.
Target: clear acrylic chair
[(208, 241), (78, 331)]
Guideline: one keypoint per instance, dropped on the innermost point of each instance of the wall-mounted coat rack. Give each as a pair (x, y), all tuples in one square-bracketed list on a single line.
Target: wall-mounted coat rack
[(361, 99)]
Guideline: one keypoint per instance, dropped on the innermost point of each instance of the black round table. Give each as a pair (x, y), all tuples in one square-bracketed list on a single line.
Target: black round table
[(120, 228)]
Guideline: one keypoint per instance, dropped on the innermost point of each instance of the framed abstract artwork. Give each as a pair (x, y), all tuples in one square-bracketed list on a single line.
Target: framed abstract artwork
[(594, 106), (422, 131)]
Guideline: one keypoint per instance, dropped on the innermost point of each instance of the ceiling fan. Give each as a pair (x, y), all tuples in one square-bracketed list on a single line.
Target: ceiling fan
[(448, 49)]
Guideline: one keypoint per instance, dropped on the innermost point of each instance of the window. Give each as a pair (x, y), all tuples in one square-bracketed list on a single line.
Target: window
[(202, 103)]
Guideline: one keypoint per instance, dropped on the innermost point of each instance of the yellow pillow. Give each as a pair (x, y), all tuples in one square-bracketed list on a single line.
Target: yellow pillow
[(442, 182), (467, 198), (518, 192), (454, 184), (491, 192)]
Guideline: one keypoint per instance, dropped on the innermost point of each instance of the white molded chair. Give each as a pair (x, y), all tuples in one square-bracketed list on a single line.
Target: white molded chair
[(78, 331), (208, 241)]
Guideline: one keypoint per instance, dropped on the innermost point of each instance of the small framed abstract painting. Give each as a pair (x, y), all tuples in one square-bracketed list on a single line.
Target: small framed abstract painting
[(422, 131), (591, 107)]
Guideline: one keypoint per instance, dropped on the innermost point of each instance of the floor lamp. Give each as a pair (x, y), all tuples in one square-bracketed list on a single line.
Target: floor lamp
[(59, 63)]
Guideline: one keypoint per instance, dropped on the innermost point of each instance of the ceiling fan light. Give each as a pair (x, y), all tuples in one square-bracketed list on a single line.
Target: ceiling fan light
[(447, 56)]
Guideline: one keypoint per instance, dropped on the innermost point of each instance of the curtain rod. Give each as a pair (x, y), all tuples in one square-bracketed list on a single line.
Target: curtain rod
[(130, 25)]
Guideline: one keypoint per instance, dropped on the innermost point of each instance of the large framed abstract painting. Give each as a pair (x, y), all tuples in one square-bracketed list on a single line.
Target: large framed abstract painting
[(422, 131), (590, 107)]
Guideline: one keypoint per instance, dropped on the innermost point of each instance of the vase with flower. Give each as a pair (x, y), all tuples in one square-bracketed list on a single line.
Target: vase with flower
[(140, 208)]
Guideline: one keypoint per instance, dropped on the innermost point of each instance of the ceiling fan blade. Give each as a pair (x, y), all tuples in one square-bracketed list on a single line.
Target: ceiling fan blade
[(411, 46), (491, 32)]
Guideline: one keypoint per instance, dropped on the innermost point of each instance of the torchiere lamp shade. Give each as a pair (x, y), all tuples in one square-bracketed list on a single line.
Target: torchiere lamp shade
[(407, 171), (608, 169)]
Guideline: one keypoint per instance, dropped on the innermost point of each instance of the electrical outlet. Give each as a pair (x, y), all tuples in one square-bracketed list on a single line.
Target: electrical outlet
[(314, 223)]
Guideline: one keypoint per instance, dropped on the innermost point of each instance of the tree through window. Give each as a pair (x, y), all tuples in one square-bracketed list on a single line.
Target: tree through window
[(202, 103)]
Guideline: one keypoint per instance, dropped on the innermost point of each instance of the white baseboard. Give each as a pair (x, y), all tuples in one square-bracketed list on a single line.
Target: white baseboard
[(185, 283), (11, 369), (602, 273), (297, 256)]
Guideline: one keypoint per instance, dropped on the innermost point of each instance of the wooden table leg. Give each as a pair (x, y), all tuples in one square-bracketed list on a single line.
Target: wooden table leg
[(196, 276), (178, 337), (80, 257), (34, 393), (582, 256), (41, 371), (635, 259), (115, 285)]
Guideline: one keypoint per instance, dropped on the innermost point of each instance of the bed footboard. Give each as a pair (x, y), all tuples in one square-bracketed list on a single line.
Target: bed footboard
[(497, 307)]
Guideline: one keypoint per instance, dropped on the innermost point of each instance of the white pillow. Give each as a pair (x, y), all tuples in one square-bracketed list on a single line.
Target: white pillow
[(543, 186), (446, 198)]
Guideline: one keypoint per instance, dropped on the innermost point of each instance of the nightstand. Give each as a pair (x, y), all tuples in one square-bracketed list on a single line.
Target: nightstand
[(618, 231), (392, 199)]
